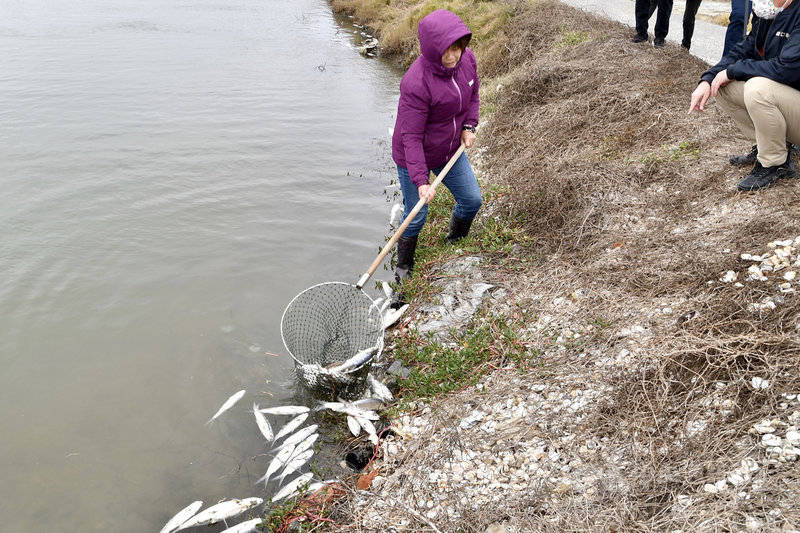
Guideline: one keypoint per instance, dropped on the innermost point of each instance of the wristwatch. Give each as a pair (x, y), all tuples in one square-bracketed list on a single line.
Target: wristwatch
[(468, 128)]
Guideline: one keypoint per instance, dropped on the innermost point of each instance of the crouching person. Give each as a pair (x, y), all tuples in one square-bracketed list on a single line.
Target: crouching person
[(758, 84)]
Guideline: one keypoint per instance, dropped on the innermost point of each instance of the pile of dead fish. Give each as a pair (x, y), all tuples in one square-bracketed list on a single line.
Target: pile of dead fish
[(291, 449), (779, 265)]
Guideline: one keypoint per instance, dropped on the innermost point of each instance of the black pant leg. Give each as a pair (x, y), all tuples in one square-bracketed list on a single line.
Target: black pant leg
[(642, 12), (662, 18), (689, 15)]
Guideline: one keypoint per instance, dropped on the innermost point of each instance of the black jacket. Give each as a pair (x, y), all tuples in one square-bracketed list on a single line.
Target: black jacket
[(780, 61)]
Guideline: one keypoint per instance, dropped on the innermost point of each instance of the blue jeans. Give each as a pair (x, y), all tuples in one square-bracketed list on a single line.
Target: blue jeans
[(462, 185)]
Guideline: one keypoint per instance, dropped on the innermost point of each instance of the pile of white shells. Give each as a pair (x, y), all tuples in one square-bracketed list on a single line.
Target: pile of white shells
[(779, 264), (491, 452), (778, 443)]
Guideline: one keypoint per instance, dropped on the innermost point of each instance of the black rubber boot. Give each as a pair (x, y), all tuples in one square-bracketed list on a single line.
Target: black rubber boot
[(459, 228), (406, 246)]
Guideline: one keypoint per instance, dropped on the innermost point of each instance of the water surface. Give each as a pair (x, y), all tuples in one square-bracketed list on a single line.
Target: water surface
[(173, 173)]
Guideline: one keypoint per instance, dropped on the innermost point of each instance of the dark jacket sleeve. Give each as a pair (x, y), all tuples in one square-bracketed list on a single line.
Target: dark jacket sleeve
[(737, 53)]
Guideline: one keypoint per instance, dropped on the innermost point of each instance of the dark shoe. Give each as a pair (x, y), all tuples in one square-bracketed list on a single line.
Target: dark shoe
[(746, 159), (761, 177), (406, 246), (459, 228), (658, 42), (686, 44), (639, 38)]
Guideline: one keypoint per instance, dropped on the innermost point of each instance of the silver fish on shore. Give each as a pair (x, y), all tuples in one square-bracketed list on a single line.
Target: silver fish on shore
[(263, 424), (379, 389), (353, 425), (387, 290), (292, 487), (230, 402), (349, 409), (367, 426), (385, 306), (356, 361), (300, 436), (221, 511), (182, 516), (290, 426), (294, 464), (244, 527), (278, 462), (391, 317), (286, 410), (369, 404)]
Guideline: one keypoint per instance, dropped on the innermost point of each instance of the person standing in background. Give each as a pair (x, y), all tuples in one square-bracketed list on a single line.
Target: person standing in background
[(737, 25), (689, 14), (643, 10)]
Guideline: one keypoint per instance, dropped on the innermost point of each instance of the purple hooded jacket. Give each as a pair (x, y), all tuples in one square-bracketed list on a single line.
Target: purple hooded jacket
[(435, 102)]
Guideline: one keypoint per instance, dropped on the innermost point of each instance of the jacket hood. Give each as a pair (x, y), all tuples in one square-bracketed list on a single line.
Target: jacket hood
[(437, 31)]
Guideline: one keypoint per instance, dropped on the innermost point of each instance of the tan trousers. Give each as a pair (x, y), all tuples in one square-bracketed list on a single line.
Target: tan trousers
[(767, 112)]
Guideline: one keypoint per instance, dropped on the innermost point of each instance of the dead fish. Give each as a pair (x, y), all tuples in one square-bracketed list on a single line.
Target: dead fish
[(379, 389), (367, 426), (221, 511), (387, 290), (349, 409), (306, 444), (385, 306), (293, 424), (291, 487), (183, 515), (378, 301), (244, 527), (358, 360), (300, 436), (295, 464), (278, 462), (353, 425), (263, 424), (286, 410), (227, 405), (391, 317), (369, 404), (396, 214)]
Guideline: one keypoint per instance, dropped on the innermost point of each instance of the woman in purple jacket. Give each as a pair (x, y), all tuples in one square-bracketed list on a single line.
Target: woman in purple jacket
[(438, 110)]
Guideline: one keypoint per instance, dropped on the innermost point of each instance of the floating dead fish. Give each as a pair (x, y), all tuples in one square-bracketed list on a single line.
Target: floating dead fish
[(221, 511), (263, 424), (278, 462), (357, 361), (182, 516), (227, 405), (300, 436), (353, 425), (293, 424), (244, 527), (391, 317), (306, 444), (396, 214), (286, 410), (292, 487), (379, 389), (295, 464)]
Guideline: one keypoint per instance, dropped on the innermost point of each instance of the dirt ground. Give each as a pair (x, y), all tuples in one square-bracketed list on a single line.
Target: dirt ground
[(661, 293)]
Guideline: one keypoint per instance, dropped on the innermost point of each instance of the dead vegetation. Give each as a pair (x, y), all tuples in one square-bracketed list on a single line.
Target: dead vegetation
[(633, 206)]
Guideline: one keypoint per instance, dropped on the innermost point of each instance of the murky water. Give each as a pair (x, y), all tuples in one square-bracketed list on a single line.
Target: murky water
[(172, 174)]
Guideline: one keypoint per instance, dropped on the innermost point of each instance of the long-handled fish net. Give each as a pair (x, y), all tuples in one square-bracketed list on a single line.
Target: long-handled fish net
[(329, 323), (326, 325)]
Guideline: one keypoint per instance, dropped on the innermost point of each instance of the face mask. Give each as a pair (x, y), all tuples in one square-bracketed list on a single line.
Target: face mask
[(765, 9)]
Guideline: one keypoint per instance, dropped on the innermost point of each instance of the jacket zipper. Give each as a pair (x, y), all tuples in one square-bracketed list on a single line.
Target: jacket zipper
[(460, 104)]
